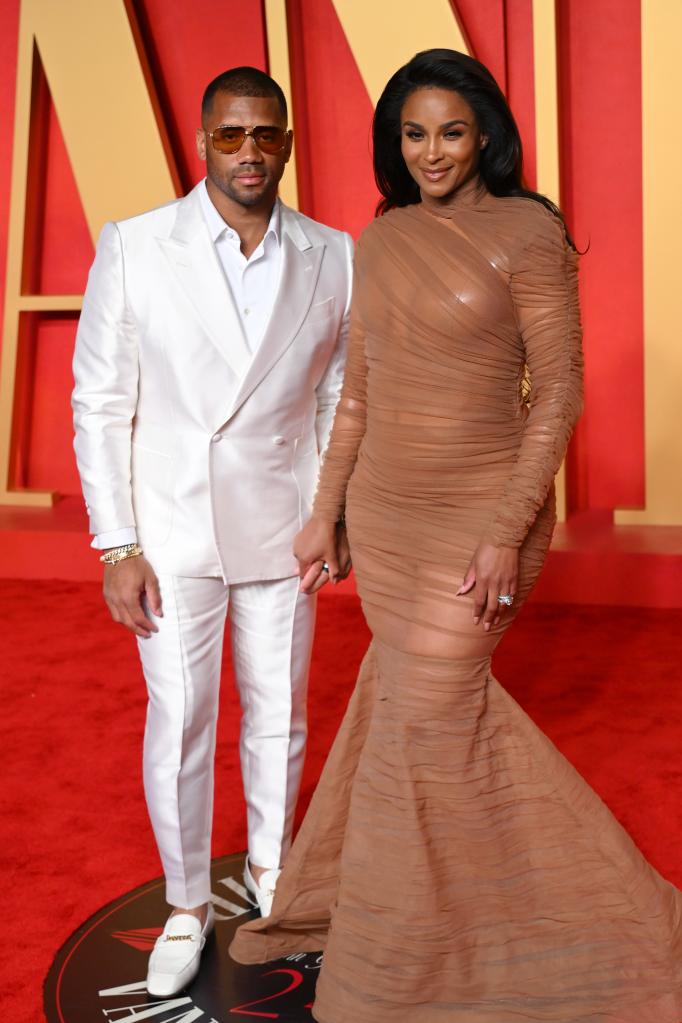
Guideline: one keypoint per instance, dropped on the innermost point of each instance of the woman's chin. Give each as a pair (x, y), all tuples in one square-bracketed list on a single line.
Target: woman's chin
[(438, 190)]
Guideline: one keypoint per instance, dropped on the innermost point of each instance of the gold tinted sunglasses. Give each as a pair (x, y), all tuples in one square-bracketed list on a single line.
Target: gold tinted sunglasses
[(229, 138)]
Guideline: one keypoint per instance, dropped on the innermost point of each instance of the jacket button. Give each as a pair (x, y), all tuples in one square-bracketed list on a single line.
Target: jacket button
[(216, 437), (278, 440)]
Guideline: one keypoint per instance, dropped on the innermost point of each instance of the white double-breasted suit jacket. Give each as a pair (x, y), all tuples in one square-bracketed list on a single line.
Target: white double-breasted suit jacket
[(210, 452)]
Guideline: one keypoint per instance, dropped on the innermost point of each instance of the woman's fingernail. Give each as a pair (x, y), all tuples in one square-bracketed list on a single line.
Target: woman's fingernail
[(487, 626), (476, 621)]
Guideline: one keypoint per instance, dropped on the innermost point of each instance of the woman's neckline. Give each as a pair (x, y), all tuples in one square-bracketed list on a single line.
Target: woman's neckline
[(470, 195)]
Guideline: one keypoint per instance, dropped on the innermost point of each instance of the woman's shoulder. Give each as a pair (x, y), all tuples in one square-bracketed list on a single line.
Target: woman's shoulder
[(531, 219), (378, 230), (394, 217), (533, 232)]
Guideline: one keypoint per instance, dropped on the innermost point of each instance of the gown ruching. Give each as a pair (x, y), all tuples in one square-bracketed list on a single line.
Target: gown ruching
[(452, 864)]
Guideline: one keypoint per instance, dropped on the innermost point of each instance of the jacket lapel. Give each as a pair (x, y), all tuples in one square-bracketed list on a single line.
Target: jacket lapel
[(301, 261), (196, 266)]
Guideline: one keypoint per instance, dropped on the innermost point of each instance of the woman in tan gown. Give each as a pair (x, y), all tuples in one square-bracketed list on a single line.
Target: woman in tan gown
[(452, 864)]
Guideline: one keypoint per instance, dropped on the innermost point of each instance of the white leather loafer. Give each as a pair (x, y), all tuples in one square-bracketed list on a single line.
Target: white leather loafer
[(174, 962), (263, 890)]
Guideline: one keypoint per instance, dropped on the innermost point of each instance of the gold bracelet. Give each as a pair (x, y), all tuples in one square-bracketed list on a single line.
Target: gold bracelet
[(116, 554)]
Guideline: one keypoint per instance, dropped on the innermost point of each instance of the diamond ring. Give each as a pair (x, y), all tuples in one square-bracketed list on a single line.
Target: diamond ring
[(505, 598)]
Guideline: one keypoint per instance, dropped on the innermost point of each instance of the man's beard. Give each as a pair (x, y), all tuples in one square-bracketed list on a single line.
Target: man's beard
[(247, 197)]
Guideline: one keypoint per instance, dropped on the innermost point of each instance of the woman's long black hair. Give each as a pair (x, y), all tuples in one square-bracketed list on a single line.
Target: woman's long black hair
[(500, 164)]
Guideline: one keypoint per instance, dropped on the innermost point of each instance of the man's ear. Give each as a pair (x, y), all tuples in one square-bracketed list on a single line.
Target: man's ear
[(201, 143), (290, 143)]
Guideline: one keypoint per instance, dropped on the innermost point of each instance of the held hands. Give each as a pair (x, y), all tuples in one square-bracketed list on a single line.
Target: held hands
[(125, 584), (318, 544), (493, 572)]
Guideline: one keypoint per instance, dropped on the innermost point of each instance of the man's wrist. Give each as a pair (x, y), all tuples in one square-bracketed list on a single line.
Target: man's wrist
[(115, 538), (113, 555)]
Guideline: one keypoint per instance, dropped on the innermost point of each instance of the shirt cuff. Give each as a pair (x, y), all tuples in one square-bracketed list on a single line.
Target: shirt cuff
[(115, 538)]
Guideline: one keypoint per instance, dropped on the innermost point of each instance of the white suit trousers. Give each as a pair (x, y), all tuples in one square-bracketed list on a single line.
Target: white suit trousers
[(271, 628)]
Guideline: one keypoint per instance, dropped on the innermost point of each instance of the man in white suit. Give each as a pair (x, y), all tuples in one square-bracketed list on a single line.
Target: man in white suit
[(209, 360)]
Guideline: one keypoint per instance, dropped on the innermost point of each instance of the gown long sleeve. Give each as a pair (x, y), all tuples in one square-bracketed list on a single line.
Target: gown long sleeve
[(349, 425), (544, 290)]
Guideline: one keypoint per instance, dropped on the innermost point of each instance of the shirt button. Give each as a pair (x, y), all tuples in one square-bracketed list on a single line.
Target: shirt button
[(278, 440), (246, 312), (216, 437)]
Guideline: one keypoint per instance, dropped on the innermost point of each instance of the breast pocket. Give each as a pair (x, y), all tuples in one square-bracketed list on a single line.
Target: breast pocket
[(152, 479), (320, 311)]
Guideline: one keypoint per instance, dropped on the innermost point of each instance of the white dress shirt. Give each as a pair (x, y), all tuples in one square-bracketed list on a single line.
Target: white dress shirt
[(253, 283)]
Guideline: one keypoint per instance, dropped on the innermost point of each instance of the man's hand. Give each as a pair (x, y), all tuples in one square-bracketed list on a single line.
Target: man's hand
[(317, 544), (315, 577), (125, 586)]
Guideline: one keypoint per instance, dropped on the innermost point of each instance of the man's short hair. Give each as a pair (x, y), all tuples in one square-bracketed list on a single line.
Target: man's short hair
[(243, 81)]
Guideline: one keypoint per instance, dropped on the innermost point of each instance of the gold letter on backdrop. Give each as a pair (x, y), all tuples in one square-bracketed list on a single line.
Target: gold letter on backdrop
[(384, 36), (661, 156), (278, 65), (117, 150), (402, 28)]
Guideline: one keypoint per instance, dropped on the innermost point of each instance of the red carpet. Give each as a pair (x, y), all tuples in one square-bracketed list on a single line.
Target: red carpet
[(604, 683)]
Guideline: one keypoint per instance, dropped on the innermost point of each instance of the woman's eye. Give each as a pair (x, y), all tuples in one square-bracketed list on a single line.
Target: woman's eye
[(414, 135), (453, 134)]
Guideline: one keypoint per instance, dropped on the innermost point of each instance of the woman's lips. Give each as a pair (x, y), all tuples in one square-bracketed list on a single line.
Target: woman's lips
[(435, 175)]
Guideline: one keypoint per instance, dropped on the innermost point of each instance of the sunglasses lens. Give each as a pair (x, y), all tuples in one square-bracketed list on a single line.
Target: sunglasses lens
[(270, 140), (228, 139)]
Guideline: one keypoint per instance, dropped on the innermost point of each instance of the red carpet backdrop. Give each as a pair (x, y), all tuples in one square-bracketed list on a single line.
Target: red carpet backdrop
[(75, 832)]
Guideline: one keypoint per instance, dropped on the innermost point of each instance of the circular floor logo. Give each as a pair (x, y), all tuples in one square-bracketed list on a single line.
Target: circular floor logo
[(99, 974)]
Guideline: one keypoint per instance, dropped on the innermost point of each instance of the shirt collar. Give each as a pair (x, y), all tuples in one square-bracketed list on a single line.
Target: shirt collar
[(216, 224)]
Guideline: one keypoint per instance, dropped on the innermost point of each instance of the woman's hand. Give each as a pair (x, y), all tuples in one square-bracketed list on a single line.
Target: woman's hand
[(342, 551), (493, 572), (318, 544)]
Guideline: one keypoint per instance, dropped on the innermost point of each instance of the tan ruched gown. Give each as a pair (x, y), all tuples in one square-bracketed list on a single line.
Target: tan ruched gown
[(452, 864)]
